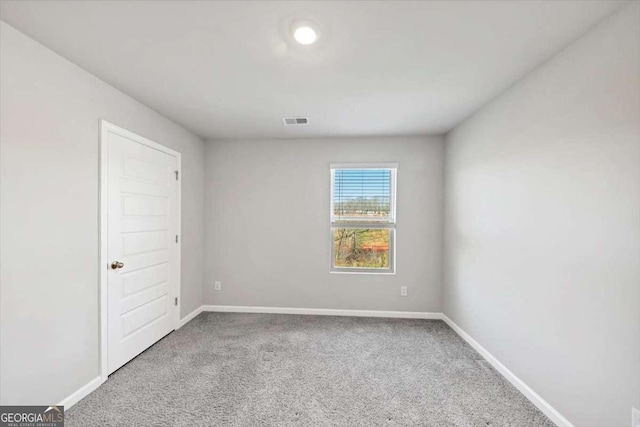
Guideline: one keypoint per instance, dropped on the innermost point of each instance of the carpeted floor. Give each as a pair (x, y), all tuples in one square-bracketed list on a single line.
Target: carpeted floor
[(226, 369)]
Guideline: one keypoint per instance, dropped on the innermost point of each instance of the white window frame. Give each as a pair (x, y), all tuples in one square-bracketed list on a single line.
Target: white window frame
[(355, 223)]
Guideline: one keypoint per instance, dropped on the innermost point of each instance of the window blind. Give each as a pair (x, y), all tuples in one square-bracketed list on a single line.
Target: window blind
[(363, 194)]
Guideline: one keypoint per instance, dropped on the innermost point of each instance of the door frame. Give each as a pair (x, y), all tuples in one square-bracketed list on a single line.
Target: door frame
[(105, 128)]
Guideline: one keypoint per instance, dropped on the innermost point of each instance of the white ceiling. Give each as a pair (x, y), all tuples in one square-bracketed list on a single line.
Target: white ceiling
[(230, 70)]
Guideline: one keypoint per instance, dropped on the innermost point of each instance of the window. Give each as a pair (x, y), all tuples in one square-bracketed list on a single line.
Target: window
[(363, 218)]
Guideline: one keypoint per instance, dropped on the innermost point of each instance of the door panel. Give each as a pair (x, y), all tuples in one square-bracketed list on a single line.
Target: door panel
[(144, 316), (139, 299), (144, 278), (137, 205), (142, 217), (144, 241)]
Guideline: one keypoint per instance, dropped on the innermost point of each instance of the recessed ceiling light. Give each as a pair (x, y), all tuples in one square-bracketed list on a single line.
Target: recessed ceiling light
[(305, 35)]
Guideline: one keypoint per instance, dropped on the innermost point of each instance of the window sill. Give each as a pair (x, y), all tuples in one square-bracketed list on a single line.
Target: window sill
[(378, 273)]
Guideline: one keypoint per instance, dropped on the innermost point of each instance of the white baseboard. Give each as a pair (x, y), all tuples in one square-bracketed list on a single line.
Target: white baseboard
[(322, 311), (189, 317), (82, 392), (528, 392)]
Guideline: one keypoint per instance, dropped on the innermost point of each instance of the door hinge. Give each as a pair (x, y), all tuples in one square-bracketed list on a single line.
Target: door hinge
[(176, 238), (176, 301), (177, 173)]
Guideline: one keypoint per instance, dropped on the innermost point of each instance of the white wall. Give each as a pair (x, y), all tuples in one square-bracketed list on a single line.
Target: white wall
[(543, 226), (267, 226), (50, 111)]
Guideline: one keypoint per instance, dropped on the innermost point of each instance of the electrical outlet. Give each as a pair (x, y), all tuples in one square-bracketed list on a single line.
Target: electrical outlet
[(635, 417), (217, 286), (403, 291)]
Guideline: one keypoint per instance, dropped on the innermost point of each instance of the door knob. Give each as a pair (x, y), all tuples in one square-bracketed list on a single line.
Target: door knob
[(116, 264)]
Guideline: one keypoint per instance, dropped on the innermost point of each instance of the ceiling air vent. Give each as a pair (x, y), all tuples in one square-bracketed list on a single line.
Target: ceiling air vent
[(289, 121)]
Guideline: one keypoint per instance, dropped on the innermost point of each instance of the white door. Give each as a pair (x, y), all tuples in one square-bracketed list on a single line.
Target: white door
[(142, 244)]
